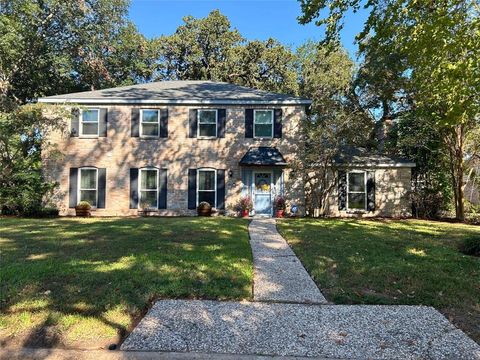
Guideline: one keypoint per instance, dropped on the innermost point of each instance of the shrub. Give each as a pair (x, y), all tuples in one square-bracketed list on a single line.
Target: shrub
[(470, 246), (46, 212), (426, 203), (83, 205), (280, 203), (245, 204)]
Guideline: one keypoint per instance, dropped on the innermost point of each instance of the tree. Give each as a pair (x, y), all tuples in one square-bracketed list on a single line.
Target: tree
[(440, 45), (209, 49), (335, 119)]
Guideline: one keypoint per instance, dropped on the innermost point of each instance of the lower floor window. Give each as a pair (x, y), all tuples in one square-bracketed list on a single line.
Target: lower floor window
[(357, 190), (88, 188), (206, 185), (148, 188)]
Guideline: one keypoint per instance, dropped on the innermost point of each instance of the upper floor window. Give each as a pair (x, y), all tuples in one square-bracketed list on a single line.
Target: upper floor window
[(149, 123), (89, 119), (148, 188), (263, 124), (207, 123), (88, 185), (356, 190), (206, 186)]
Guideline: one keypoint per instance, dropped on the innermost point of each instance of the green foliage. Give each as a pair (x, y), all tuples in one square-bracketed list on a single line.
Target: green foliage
[(470, 246), (23, 187)]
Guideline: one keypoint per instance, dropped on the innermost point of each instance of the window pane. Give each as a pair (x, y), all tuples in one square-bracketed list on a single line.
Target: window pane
[(149, 179), (88, 179), (90, 196), (150, 129), (356, 201), (90, 115), (263, 130), (148, 199), (206, 180), (207, 116), (90, 128), (150, 116), (356, 182), (208, 196), (207, 129), (263, 117)]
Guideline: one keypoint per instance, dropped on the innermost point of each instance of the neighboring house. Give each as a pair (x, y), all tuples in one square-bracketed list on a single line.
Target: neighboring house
[(167, 146), (170, 145)]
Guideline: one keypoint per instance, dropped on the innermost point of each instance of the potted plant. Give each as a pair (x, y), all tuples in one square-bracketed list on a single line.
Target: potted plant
[(83, 209), (279, 206), (245, 206), (204, 209)]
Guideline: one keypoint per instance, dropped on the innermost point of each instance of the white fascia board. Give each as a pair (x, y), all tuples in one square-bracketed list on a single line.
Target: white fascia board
[(160, 101), (379, 165)]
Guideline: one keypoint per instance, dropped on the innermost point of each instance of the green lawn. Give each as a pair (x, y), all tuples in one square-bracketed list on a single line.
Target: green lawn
[(84, 282), (391, 262)]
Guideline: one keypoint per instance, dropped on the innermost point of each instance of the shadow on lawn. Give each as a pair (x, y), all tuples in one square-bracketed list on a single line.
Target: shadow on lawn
[(101, 268)]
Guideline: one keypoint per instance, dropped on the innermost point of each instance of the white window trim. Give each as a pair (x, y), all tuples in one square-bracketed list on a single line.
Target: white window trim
[(214, 186), (79, 181), (198, 124), (255, 116), (141, 124), (357, 192), (140, 187), (98, 124)]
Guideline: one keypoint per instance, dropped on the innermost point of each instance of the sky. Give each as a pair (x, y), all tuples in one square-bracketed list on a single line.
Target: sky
[(254, 19)]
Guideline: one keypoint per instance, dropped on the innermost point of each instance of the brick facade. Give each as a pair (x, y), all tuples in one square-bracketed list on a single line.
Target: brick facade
[(119, 151)]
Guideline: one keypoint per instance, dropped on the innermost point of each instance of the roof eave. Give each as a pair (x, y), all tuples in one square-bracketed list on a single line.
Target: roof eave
[(173, 101), (379, 165)]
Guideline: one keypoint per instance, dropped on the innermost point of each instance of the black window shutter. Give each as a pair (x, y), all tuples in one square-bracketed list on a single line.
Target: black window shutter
[(102, 184), (135, 122), (72, 188), (133, 188), (102, 123), (162, 193), (164, 123), (342, 190), (192, 188), (192, 123), (370, 190), (75, 123), (222, 119), (277, 125), (221, 189), (249, 123)]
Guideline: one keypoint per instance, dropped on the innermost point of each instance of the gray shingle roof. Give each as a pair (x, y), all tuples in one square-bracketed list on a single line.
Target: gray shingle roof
[(263, 156), (357, 156), (177, 92)]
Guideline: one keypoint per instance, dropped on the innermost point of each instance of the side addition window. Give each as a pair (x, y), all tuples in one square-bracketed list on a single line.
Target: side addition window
[(88, 186), (207, 123), (89, 119), (206, 186), (357, 190), (148, 188), (263, 124), (149, 123)]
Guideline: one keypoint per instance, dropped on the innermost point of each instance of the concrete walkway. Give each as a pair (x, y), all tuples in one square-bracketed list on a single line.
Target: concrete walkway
[(289, 318), (278, 274)]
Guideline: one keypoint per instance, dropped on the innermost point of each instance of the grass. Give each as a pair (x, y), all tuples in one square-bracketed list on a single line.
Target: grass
[(391, 262), (84, 282)]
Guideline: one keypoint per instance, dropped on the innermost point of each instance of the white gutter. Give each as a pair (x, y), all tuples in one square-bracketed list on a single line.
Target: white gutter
[(167, 101), (379, 165)]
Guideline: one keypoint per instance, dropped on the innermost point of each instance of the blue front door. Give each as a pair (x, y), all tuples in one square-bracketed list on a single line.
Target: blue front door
[(262, 193)]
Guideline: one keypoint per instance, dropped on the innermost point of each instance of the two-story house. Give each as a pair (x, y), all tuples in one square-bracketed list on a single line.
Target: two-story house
[(171, 145)]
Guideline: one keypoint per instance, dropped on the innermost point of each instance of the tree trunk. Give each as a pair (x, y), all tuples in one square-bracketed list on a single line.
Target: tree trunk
[(455, 142)]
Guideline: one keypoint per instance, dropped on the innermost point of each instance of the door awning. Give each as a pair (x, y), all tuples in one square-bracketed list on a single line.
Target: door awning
[(263, 156)]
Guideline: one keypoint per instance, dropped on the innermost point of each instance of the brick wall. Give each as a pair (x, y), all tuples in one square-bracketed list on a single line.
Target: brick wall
[(118, 152)]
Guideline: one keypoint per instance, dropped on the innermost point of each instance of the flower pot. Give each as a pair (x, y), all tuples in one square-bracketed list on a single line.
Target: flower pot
[(279, 213), (82, 212), (245, 213), (204, 212)]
